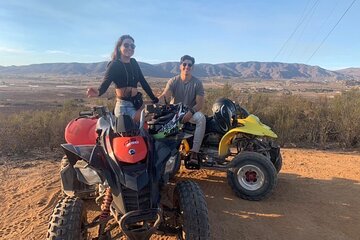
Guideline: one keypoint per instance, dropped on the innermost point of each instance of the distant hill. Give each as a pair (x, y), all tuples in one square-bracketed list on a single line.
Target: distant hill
[(56, 68), (355, 72), (242, 70)]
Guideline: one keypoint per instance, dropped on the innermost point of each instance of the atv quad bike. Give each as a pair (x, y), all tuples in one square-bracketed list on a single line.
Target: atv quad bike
[(238, 143), (128, 172)]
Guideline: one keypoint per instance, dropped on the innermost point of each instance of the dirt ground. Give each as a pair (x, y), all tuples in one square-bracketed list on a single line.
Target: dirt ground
[(317, 197)]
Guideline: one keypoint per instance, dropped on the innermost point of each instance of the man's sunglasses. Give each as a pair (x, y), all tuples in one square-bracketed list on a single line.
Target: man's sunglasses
[(187, 64), (128, 45)]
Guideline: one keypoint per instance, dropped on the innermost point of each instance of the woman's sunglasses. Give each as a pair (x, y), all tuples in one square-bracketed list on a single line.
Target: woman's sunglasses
[(187, 64), (128, 45)]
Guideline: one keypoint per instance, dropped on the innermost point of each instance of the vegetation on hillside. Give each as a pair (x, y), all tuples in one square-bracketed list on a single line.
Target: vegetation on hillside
[(306, 123)]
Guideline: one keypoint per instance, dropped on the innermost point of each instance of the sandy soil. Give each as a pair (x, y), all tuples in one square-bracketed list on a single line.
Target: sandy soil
[(317, 197)]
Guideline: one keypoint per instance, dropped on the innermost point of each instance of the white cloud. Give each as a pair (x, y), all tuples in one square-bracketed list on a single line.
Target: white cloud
[(13, 50), (336, 67), (105, 56), (56, 52)]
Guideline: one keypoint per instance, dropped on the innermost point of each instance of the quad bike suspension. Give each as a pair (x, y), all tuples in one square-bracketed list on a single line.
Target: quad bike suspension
[(104, 217), (105, 206)]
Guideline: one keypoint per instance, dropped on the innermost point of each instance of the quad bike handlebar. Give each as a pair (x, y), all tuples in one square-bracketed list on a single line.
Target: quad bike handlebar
[(163, 119), (98, 111), (164, 109), (86, 114)]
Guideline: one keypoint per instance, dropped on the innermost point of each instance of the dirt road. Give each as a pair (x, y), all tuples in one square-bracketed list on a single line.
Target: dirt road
[(317, 197)]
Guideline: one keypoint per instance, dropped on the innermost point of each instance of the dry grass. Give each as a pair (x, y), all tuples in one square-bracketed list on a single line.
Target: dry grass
[(302, 114)]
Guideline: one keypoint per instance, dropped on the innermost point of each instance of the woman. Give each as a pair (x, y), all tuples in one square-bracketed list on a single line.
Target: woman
[(125, 73)]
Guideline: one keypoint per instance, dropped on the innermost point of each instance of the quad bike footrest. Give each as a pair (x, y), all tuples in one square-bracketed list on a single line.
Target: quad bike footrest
[(191, 164)]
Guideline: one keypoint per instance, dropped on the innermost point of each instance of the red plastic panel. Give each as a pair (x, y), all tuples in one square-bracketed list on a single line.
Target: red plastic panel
[(81, 131), (129, 149)]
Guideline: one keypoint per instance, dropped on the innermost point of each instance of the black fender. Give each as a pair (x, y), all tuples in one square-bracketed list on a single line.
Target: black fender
[(72, 182), (75, 153), (94, 155), (69, 177)]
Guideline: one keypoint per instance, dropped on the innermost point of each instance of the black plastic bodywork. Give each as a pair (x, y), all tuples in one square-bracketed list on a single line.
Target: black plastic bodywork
[(135, 187)]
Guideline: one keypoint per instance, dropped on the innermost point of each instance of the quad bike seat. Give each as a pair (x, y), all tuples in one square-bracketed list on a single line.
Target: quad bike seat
[(210, 125), (125, 124)]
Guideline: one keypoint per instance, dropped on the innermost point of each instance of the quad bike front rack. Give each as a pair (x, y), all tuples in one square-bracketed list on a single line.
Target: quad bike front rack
[(140, 224)]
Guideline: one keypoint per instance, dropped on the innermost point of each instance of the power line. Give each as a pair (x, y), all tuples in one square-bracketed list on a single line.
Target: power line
[(311, 14), (331, 30), (301, 20), (321, 27)]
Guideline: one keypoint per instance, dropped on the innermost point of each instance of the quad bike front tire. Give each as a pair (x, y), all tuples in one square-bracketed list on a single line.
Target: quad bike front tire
[(192, 212), (68, 220), (252, 176)]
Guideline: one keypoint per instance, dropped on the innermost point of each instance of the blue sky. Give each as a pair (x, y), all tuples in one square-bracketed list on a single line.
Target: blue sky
[(34, 31)]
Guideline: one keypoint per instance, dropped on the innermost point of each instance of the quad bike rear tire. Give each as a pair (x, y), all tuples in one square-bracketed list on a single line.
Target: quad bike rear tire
[(252, 176), (68, 220), (192, 212)]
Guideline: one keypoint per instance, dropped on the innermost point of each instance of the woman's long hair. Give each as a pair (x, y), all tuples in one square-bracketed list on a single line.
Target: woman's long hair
[(116, 53)]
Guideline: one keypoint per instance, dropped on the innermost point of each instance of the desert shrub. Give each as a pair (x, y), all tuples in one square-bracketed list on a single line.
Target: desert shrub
[(345, 110), (24, 131), (36, 129), (303, 122)]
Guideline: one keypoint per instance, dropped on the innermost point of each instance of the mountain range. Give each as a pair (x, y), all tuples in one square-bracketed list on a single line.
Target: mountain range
[(242, 70)]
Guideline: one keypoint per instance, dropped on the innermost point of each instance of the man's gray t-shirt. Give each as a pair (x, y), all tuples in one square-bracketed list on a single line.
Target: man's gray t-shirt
[(185, 92)]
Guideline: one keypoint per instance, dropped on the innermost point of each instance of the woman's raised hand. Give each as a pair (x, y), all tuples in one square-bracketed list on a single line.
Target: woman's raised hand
[(92, 92)]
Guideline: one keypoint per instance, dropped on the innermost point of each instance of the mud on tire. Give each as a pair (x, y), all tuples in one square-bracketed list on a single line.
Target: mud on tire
[(67, 220), (192, 211), (252, 176)]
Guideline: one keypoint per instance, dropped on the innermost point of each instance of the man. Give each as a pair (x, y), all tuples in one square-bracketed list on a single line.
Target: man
[(189, 90)]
